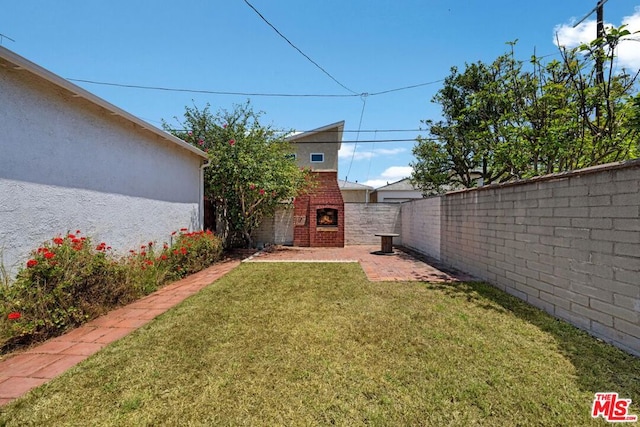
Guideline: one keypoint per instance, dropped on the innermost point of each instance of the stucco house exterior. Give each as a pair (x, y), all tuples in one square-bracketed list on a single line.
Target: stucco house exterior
[(353, 192), (70, 160), (317, 218), (396, 192)]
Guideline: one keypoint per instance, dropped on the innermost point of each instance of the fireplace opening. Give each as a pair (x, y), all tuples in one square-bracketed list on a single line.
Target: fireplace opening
[(327, 217)]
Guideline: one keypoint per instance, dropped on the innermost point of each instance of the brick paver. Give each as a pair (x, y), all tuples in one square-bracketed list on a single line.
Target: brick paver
[(402, 265), (24, 371)]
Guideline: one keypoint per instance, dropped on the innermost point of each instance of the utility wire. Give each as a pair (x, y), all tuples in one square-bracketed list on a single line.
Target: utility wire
[(218, 92), (296, 48), (213, 92), (330, 130), (353, 154)]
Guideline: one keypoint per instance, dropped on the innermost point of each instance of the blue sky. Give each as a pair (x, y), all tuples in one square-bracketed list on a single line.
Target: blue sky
[(368, 46)]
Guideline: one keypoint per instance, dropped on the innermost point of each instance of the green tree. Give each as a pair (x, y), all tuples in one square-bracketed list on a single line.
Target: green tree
[(252, 169), (502, 122)]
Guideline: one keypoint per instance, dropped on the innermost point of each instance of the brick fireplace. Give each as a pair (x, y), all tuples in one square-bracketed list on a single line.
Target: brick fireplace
[(319, 216)]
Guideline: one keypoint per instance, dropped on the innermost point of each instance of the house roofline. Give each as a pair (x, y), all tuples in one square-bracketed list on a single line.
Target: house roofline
[(339, 125), (20, 63), (393, 183)]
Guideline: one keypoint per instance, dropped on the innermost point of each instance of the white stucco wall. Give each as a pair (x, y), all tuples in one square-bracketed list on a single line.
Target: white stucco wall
[(397, 196), (67, 164)]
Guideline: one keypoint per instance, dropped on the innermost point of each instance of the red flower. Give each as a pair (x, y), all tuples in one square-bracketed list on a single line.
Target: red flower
[(108, 248), (143, 247), (14, 315), (148, 262), (131, 251), (143, 253), (174, 233), (32, 263), (201, 142), (150, 244), (232, 142), (77, 231), (261, 191), (49, 255), (252, 187), (163, 257), (184, 229), (176, 252), (190, 133), (183, 250), (71, 236), (58, 240)]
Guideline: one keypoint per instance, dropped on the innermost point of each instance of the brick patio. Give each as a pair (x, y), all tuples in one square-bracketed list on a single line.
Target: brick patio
[(402, 265)]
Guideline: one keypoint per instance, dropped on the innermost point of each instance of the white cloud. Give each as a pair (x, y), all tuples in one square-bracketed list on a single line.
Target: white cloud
[(346, 152), (389, 175), (397, 172), (628, 50)]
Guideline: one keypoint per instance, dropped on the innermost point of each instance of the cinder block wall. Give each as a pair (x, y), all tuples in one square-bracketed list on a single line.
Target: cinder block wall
[(568, 243), (364, 220), (421, 226)]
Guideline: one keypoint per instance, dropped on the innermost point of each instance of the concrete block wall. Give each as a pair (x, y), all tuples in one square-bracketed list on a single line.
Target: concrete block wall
[(276, 229), (421, 226), (568, 244), (364, 220)]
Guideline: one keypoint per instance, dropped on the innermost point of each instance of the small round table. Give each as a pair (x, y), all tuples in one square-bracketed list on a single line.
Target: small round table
[(387, 242)]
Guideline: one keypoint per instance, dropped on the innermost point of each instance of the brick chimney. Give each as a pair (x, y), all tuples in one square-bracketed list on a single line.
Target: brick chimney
[(319, 215)]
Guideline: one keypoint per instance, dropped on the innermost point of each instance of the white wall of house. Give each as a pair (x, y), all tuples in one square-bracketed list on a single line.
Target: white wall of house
[(67, 163), (394, 196)]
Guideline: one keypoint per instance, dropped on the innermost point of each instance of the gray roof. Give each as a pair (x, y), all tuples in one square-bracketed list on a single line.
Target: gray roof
[(348, 185), (402, 185)]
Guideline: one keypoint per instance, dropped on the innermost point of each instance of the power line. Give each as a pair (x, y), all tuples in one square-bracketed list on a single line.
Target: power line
[(212, 92), (406, 87), (219, 92), (2, 37), (336, 131), (353, 154), (296, 48)]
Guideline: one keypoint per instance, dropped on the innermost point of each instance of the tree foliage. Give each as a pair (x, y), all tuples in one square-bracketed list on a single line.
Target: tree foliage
[(501, 121), (252, 170)]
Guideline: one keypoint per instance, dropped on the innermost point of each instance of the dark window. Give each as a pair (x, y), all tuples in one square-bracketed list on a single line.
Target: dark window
[(317, 157)]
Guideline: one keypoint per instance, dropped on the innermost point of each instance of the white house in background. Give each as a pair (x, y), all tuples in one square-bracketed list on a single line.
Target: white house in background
[(396, 192), (353, 192), (70, 160)]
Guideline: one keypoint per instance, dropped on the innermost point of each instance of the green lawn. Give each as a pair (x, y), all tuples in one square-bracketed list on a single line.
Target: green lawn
[(317, 344)]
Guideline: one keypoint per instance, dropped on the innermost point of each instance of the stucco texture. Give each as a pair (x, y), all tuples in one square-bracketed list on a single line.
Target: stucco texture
[(67, 164)]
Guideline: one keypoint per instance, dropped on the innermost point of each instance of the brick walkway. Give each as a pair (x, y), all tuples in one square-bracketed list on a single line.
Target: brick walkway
[(29, 369), (37, 365)]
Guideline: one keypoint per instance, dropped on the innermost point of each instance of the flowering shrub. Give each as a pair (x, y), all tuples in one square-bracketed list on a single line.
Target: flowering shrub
[(69, 280), (194, 251)]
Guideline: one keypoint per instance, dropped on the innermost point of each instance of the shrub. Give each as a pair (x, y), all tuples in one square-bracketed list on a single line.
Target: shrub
[(70, 280), (192, 252)]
